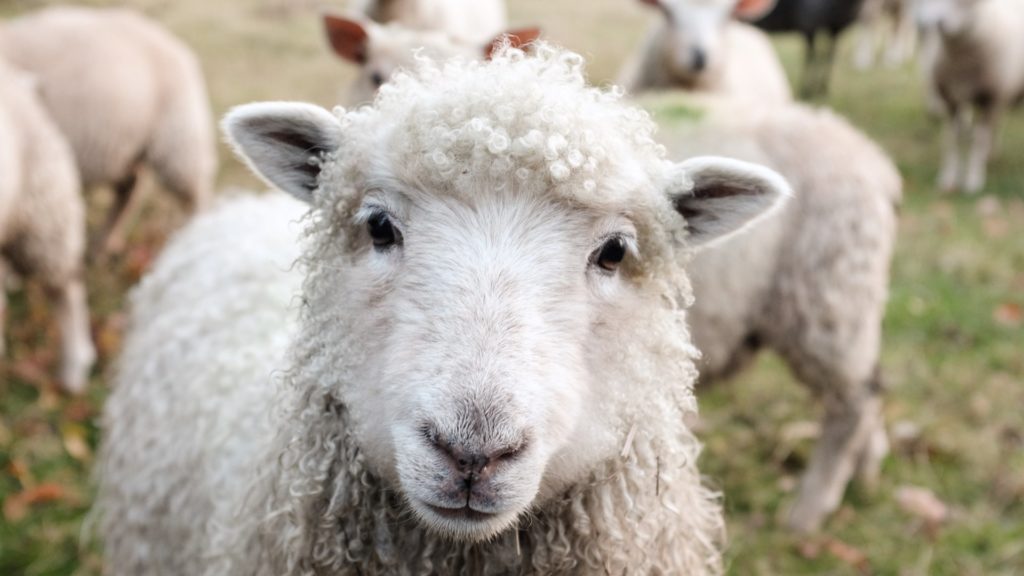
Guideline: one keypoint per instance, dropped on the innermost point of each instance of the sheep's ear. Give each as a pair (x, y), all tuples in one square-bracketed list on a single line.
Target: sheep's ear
[(719, 196), (348, 38), (515, 39), (282, 142), (655, 3), (751, 10)]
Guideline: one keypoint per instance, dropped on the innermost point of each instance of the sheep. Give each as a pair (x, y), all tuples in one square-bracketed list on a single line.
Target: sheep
[(380, 50), (465, 21), (489, 371), (809, 282), (887, 24), (128, 94), (977, 63), (808, 17), (42, 219), (698, 45)]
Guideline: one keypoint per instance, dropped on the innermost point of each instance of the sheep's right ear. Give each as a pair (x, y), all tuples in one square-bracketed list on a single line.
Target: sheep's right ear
[(720, 196), (752, 10), (513, 38), (283, 142)]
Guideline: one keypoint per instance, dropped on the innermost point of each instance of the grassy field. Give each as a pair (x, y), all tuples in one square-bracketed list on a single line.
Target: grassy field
[(954, 338)]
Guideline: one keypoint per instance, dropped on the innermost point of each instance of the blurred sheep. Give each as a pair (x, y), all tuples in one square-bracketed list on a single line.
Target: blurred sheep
[(125, 93), (42, 218), (380, 50), (464, 21), (809, 282), (976, 65), (885, 25), (698, 46), (809, 17)]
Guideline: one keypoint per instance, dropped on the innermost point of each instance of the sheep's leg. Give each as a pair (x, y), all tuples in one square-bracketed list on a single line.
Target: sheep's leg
[(956, 128), (983, 137), (847, 426), (77, 352), (810, 69), (3, 308), (114, 233), (903, 40), (825, 76)]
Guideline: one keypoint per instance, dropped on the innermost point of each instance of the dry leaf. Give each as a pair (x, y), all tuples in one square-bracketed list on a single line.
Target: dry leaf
[(1008, 314), (849, 555), (16, 506), (922, 503), (73, 436)]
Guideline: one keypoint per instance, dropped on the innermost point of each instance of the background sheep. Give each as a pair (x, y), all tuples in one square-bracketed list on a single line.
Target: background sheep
[(381, 50), (886, 26), (809, 17), (464, 21), (809, 282), (492, 328), (978, 65), (698, 46), (128, 94), (42, 220)]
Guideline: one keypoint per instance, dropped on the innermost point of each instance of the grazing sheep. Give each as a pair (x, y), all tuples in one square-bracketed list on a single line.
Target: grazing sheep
[(42, 219), (888, 25), (809, 17), (490, 370), (465, 21), (698, 46), (381, 50), (978, 64), (126, 94), (809, 282)]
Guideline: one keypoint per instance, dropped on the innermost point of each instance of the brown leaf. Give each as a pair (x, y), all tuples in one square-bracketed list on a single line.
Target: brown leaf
[(1008, 314), (849, 555), (73, 436), (16, 506)]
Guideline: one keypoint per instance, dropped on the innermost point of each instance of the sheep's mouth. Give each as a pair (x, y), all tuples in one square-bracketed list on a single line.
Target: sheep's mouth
[(463, 513)]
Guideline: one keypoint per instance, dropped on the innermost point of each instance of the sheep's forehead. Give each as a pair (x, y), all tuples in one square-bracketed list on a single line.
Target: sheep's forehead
[(527, 123)]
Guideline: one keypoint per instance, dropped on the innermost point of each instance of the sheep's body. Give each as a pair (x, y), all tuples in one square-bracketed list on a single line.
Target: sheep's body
[(746, 67), (42, 219), (978, 64), (125, 93), (810, 282), (467, 301), (465, 21)]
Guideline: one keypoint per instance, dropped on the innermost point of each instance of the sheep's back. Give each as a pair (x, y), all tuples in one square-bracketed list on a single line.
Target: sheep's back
[(190, 412)]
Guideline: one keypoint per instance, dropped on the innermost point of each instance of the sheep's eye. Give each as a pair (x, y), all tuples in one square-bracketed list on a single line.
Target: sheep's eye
[(382, 232), (377, 79), (611, 254)]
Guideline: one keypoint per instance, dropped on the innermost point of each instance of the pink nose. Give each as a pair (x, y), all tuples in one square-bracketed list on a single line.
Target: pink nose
[(474, 464)]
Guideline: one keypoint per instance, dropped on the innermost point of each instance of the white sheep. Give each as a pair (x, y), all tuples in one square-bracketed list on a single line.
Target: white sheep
[(380, 50), (977, 65), (126, 94), (42, 219), (885, 25), (465, 21), (698, 45), (490, 370), (809, 282)]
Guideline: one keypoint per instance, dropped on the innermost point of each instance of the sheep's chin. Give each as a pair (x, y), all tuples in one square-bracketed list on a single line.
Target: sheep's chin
[(455, 525)]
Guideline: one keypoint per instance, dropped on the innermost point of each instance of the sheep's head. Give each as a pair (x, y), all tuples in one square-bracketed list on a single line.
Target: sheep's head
[(695, 30), (497, 262), (949, 17), (380, 50)]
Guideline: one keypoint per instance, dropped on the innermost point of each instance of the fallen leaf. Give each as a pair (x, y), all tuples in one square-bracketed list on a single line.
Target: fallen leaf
[(922, 503), (73, 436), (1008, 314), (849, 555), (16, 506)]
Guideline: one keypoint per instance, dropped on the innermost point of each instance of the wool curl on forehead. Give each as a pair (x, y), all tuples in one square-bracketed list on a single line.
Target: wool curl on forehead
[(529, 124)]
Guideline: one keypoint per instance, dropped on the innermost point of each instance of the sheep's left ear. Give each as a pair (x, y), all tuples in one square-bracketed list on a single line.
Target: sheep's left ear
[(516, 39), (283, 142), (719, 196), (752, 10)]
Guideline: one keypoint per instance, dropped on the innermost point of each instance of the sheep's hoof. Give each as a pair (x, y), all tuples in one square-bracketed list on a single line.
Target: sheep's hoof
[(869, 466), (74, 377), (805, 516)]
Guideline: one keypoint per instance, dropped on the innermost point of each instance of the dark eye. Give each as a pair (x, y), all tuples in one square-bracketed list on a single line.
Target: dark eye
[(377, 79), (382, 232), (611, 254)]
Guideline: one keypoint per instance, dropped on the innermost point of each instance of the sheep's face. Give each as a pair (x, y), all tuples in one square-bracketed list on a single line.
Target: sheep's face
[(696, 31), (949, 17), (487, 298)]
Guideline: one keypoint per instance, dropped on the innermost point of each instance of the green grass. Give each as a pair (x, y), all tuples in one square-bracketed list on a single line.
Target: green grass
[(954, 344)]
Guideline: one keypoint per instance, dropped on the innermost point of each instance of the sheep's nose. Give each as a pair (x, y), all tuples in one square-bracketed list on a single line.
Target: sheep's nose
[(475, 464), (700, 59)]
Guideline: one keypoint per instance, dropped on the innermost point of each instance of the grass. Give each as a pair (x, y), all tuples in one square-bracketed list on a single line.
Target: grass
[(954, 342)]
